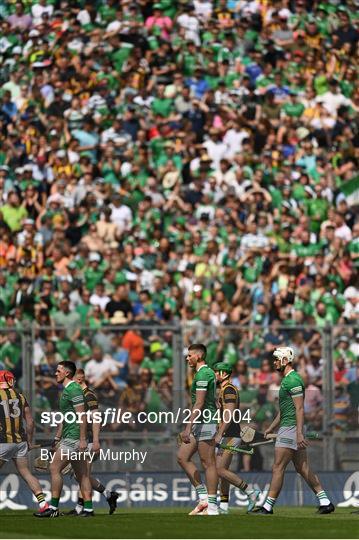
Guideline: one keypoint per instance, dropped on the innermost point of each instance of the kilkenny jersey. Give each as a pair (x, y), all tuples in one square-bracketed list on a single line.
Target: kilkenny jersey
[(230, 394), (12, 406), (292, 386), (91, 404)]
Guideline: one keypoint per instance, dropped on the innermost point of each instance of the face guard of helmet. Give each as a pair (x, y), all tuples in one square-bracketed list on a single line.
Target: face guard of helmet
[(6, 378), (223, 371), (285, 355)]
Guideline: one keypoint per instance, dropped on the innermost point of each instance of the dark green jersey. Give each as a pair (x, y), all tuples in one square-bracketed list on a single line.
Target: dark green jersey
[(205, 380), (292, 386), (71, 397)]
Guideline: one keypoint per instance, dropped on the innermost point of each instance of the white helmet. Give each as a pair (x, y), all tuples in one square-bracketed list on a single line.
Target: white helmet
[(284, 352)]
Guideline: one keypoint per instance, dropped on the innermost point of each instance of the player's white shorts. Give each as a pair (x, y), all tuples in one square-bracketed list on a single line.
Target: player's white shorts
[(204, 432), (13, 450), (287, 437), (69, 445)]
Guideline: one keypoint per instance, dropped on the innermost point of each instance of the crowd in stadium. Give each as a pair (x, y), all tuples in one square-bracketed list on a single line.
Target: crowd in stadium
[(180, 162)]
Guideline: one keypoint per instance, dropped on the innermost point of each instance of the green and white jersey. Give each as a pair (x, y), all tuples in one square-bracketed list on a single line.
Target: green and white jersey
[(71, 397), (292, 386), (205, 380)]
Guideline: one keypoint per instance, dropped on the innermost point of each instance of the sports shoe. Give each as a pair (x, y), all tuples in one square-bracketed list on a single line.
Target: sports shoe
[(223, 511), (112, 501), (73, 512), (252, 500), (213, 512), (328, 509), (201, 506), (85, 514), (48, 513), (262, 512)]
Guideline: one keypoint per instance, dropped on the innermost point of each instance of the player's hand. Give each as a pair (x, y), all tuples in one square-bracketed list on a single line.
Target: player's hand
[(266, 433), (301, 441), (83, 445), (186, 436), (96, 447), (54, 443), (32, 446)]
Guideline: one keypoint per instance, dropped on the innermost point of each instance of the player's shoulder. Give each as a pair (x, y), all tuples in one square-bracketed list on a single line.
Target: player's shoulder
[(89, 394), (230, 388), (295, 378), (73, 389), (207, 372)]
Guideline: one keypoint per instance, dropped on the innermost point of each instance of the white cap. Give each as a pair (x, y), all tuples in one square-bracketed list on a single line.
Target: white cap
[(351, 292), (94, 257)]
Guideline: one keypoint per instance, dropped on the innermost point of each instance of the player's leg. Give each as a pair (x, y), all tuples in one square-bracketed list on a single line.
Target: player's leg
[(206, 451), (82, 471), (223, 462), (59, 462), (110, 496), (184, 460), (301, 464), (22, 467), (18, 453), (282, 456)]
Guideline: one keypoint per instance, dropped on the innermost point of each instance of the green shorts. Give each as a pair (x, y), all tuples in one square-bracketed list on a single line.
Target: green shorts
[(204, 432)]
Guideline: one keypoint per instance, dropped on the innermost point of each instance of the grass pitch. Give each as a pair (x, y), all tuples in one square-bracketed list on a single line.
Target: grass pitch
[(288, 522)]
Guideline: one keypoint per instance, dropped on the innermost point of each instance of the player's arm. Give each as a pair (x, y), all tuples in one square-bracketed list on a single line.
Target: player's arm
[(78, 403), (92, 405), (58, 434), (30, 425), (298, 401), (83, 426), (273, 425), (95, 434), (195, 411)]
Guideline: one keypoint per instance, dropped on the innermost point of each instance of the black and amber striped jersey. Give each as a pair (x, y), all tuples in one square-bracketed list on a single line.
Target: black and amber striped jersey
[(230, 394), (91, 404), (12, 406)]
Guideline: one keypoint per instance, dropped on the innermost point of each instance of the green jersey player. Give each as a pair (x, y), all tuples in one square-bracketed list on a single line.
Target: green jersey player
[(73, 442), (291, 443), (199, 433)]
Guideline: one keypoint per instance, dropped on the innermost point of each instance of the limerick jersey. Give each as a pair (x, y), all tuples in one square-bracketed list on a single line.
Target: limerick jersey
[(205, 380), (12, 405), (292, 386), (71, 397), (91, 404), (230, 394)]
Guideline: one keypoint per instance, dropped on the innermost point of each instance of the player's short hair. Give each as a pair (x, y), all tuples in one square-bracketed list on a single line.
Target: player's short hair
[(71, 366), (80, 371), (200, 348)]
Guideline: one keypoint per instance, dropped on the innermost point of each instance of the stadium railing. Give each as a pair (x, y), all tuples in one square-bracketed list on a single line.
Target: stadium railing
[(324, 353)]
